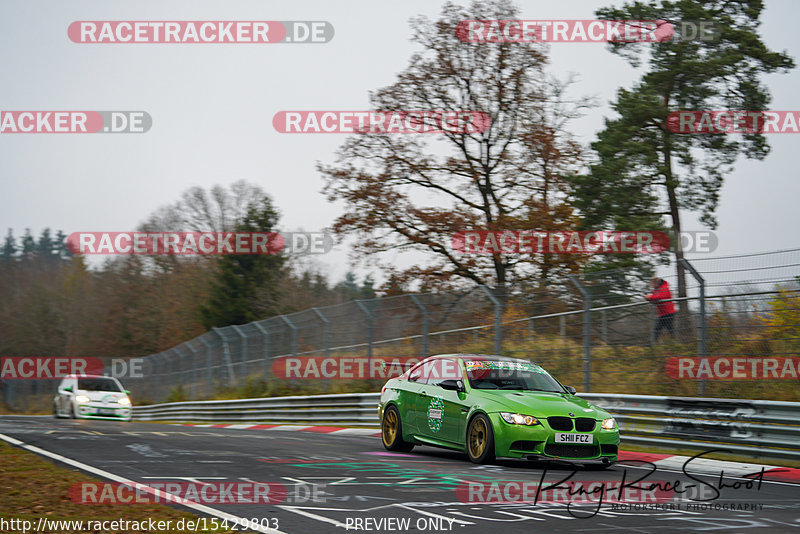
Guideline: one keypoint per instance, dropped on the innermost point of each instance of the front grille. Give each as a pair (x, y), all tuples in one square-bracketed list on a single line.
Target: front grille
[(608, 449), (584, 424), (571, 451), (560, 423), (524, 445)]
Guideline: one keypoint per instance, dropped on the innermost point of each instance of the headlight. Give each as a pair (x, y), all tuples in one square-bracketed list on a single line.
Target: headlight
[(608, 424), (81, 399), (519, 419), (124, 400)]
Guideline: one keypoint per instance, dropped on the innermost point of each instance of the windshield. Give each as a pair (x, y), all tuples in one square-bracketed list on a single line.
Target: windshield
[(522, 376), (98, 384)]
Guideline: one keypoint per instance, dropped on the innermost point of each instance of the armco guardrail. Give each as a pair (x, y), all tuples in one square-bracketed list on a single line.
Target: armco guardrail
[(352, 409), (766, 429)]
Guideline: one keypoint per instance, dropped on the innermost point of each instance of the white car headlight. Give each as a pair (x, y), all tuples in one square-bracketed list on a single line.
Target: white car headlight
[(81, 399), (124, 400), (608, 424), (519, 419)]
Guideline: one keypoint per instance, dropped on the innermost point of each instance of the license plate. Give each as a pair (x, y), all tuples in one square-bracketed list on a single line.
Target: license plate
[(574, 438), (106, 411)]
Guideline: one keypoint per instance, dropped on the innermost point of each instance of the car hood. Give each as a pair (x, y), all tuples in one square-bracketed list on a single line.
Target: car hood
[(538, 404), (106, 397)]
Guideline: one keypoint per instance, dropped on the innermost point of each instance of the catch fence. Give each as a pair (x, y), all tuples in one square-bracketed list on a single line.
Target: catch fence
[(595, 332)]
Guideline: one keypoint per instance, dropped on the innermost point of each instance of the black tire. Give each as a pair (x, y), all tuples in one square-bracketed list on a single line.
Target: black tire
[(55, 411), (480, 440), (73, 414), (392, 431)]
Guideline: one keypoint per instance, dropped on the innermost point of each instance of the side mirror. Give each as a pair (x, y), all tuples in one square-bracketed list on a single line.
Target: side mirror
[(452, 385), (572, 390), (127, 392), (68, 388)]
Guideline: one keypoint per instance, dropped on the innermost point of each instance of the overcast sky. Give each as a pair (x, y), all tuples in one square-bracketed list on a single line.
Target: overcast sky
[(212, 109)]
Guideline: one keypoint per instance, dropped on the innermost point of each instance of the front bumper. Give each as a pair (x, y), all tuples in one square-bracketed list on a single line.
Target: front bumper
[(95, 411), (538, 442)]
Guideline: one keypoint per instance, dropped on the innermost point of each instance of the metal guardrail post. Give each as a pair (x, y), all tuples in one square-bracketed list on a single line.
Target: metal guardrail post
[(369, 329), (265, 333), (326, 331), (425, 324), (498, 319), (701, 342), (209, 372), (226, 352), (243, 359), (587, 333), (293, 328)]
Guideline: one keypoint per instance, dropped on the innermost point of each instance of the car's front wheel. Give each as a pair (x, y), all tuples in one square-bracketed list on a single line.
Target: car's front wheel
[(392, 431), (480, 440)]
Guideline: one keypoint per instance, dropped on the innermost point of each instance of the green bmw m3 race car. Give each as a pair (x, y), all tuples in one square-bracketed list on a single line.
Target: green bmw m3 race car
[(490, 407)]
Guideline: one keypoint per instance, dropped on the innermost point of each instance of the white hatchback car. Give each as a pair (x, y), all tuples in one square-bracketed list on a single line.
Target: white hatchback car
[(92, 397)]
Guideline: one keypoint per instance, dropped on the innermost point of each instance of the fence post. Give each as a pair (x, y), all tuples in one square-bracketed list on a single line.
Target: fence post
[(293, 327), (604, 323), (587, 333), (326, 331), (652, 329), (226, 352), (369, 329), (209, 373), (701, 342), (425, 324), (160, 373), (562, 327), (8, 393), (265, 332), (194, 359), (242, 362), (498, 319)]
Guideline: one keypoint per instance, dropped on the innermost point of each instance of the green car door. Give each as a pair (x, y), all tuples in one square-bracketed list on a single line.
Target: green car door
[(410, 400), (441, 412)]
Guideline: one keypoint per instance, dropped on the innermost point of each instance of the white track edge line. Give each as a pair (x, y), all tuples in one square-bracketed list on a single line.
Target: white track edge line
[(111, 476)]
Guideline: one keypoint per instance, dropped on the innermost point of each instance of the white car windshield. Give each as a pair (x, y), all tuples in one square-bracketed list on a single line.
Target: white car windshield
[(98, 384)]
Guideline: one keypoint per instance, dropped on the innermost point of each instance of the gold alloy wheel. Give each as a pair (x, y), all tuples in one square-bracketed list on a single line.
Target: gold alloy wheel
[(477, 438), (389, 427)]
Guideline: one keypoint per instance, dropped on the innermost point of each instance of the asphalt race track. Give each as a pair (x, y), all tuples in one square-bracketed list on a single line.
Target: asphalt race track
[(357, 479)]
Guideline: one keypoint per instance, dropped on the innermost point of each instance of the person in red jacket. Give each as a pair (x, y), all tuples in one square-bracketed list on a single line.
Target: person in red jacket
[(665, 308)]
